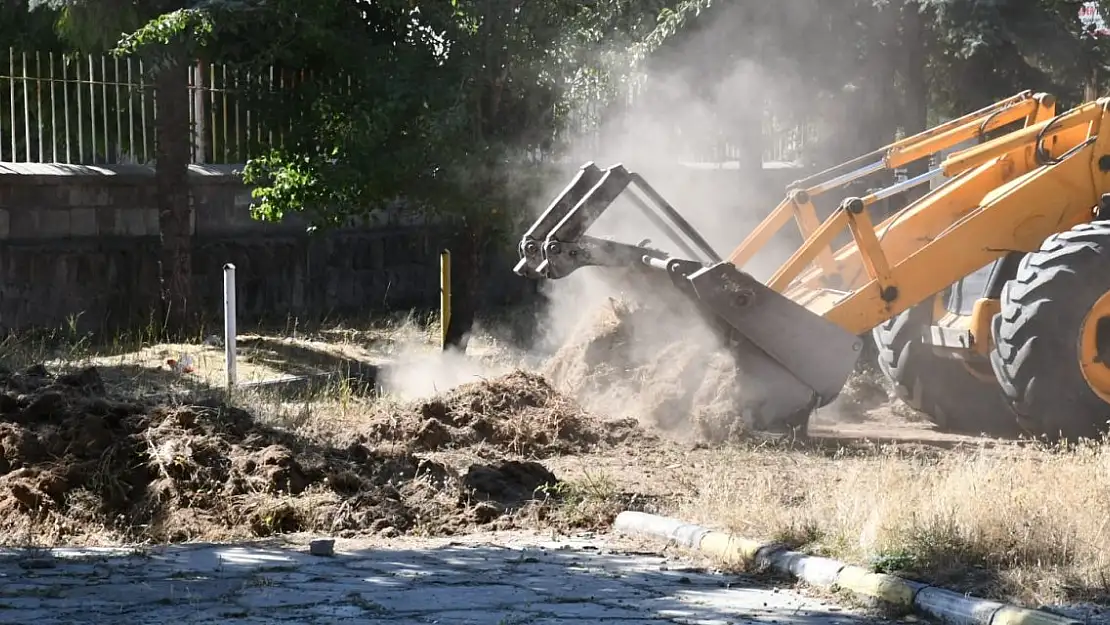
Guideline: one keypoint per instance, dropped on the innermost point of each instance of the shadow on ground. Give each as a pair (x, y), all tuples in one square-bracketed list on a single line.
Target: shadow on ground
[(447, 583), (298, 360)]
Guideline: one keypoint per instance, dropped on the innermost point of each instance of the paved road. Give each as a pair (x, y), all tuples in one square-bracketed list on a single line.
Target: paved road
[(518, 581)]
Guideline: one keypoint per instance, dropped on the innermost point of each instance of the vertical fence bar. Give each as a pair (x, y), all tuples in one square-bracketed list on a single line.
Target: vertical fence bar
[(53, 110), (142, 108), (11, 97), (131, 112), (195, 126), (211, 96), (108, 157), (223, 112), (26, 109), (255, 122), (38, 102), (204, 133), (65, 110), (92, 109), (247, 127), (239, 156), (154, 117), (3, 80), (119, 107), (80, 116)]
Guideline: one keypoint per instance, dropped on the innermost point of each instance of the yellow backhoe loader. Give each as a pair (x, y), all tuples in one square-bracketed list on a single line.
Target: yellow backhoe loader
[(1027, 213)]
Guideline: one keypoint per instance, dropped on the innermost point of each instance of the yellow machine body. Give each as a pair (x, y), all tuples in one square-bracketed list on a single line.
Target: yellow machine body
[(1001, 199)]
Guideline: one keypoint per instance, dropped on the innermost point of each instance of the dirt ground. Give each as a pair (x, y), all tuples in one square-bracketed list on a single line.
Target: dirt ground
[(103, 449)]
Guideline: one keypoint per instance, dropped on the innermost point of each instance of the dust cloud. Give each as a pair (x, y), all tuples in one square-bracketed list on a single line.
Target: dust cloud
[(418, 372), (626, 344)]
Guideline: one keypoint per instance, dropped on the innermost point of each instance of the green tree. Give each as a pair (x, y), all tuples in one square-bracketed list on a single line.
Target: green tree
[(987, 49), (99, 25), (436, 103)]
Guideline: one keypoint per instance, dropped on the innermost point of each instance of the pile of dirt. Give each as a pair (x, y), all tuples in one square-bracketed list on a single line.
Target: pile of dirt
[(76, 461), (660, 363), (518, 413), (864, 391)]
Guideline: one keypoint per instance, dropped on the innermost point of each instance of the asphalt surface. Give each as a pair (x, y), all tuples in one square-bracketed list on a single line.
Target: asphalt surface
[(488, 581)]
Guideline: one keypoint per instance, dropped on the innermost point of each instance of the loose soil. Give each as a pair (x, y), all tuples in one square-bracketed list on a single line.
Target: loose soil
[(664, 365), (878, 486), (626, 360), (78, 463), (518, 413)]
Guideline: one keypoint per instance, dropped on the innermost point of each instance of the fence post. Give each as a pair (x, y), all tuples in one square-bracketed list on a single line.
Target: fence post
[(444, 296), (229, 324)]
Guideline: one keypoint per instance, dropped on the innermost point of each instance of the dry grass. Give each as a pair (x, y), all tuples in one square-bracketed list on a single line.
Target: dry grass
[(1028, 524), (113, 452), (1024, 523), (141, 366)]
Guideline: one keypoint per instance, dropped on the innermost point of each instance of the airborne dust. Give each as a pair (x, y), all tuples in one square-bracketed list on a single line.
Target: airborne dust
[(605, 338), (78, 460)]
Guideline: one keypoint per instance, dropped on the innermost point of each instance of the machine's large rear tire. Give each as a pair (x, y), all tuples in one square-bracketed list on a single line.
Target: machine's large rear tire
[(1038, 334), (942, 389)]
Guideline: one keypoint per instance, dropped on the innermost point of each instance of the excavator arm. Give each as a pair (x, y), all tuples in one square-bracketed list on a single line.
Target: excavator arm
[(1004, 195)]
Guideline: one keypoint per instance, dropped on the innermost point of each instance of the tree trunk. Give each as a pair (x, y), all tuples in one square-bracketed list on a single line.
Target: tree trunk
[(172, 151), (915, 113)]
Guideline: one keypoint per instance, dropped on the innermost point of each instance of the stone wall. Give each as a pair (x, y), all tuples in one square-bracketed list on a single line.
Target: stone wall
[(81, 242)]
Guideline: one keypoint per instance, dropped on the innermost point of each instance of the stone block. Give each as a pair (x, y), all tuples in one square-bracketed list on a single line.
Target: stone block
[(322, 547), (90, 195), (82, 222), (23, 223), (150, 221), (107, 221), (54, 223), (131, 222), (79, 195), (242, 202)]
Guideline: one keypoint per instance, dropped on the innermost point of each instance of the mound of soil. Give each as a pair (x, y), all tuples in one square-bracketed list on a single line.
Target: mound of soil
[(660, 363), (78, 462), (864, 391), (518, 413)]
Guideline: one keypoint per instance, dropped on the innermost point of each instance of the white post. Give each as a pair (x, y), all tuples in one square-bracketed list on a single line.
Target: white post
[(229, 323)]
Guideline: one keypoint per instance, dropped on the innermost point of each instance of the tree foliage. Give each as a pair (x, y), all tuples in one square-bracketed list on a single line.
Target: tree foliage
[(443, 103)]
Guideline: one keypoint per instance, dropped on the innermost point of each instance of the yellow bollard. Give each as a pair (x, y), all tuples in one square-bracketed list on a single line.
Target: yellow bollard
[(444, 296)]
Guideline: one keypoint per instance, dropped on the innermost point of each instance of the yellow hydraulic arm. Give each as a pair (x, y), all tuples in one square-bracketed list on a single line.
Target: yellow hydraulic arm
[(798, 335), (1005, 195)]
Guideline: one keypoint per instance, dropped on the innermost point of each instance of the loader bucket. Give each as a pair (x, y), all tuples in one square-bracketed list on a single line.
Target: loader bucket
[(794, 359)]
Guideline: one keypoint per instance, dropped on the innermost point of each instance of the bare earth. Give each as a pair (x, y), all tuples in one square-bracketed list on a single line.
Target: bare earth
[(459, 446)]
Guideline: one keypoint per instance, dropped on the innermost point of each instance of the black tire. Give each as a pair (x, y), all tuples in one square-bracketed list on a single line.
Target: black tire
[(1036, 355), (942, 389)]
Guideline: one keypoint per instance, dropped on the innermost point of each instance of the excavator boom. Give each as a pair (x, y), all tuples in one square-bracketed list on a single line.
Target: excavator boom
[(1004, 195)]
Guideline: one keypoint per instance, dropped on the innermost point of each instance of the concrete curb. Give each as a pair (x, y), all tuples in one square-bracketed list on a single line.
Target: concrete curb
[(945, 606)]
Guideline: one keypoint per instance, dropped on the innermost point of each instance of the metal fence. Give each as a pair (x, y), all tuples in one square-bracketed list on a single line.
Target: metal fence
[(87, 109), (77, 109), (90, 109)]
